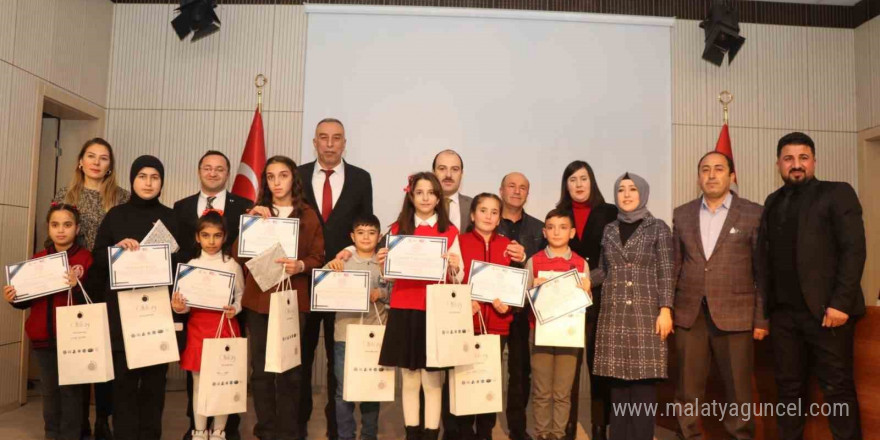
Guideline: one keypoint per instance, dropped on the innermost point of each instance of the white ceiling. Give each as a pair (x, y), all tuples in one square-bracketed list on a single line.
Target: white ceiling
[(818, 2)]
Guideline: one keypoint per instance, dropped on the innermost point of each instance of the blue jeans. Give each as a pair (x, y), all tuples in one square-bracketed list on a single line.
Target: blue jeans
[(345, 410)]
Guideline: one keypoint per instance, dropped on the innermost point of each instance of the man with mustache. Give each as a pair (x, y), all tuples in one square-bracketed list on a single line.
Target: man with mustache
[(449, 169), (812, 248)]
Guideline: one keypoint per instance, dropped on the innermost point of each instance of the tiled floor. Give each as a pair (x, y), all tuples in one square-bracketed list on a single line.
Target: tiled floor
[(26, 423)]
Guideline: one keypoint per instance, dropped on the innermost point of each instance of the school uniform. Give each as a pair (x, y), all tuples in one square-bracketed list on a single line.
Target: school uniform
[(62, 405)]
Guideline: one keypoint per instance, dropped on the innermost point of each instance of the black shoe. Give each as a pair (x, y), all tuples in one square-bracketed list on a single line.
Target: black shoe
[(520, 436), (430, 434), (599, 433), (102, 429), (413, 433)]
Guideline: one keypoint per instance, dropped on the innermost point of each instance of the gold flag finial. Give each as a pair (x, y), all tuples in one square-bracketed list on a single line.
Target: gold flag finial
[(725, 98), (260, 81)]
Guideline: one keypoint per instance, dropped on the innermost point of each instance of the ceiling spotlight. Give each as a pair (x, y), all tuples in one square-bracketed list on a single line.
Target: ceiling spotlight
[(722, 32), (196, 16)]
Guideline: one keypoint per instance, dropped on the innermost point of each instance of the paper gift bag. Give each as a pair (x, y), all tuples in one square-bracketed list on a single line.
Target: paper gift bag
[(476, 388), (223, 375), (147, 327), (449, 326), (83, 344), (566, 331), (365, 380), (282, 335)]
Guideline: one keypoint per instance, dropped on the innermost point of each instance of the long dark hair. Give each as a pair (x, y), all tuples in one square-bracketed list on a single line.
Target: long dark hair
[(476, 202), (565, 201), (55, 207), (296, 191), (405, 221), (213, 218)]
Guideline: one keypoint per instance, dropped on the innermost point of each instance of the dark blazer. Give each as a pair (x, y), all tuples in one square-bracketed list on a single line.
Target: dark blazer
[(465, 204), (356, 200), (185, 211), (728, 279), (589, 244), (830, 248)]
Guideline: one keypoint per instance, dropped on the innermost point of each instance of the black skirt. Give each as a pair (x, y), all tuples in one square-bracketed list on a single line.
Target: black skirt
[(404, 343)]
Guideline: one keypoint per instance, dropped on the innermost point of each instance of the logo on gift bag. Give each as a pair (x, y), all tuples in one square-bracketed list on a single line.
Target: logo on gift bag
[(466, 347), (382, 385), (490, 396), (163, 346), (93, 366), (236, 397), (570, 330)]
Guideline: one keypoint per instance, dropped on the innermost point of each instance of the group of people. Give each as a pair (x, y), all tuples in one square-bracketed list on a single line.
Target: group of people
[(726, 273)]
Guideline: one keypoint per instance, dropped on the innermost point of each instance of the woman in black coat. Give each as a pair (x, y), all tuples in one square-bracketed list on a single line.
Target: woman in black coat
[(580, 195)]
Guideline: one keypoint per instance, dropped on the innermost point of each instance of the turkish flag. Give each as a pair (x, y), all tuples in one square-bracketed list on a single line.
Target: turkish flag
[(253, 159), (723, 145)]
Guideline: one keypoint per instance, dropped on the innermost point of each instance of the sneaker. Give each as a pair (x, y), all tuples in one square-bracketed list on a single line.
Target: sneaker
[(218, 435), (199, 435)]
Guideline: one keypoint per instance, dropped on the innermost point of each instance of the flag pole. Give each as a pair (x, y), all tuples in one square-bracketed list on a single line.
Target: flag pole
[(725, 98), (260, 81)]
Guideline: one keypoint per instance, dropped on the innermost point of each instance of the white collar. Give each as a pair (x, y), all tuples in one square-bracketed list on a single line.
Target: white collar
[(338, 170), (725, 204), (431, 221), (453, 198), (220, 195)]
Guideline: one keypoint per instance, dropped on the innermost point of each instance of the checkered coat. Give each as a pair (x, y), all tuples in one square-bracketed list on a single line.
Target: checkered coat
[(637, 280)]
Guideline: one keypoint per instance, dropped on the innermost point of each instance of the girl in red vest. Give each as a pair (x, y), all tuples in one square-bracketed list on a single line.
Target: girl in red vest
[(62, 405), (482, 243), (404, 343)]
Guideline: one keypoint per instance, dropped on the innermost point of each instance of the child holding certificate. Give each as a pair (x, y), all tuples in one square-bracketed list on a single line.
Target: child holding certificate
[(277, 395), (482, 243), (62, 405), (202, 323), (365, 236), (404, 344), (553, 368)]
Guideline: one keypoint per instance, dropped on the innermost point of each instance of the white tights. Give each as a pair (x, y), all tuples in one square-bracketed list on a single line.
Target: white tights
[(432, 382)]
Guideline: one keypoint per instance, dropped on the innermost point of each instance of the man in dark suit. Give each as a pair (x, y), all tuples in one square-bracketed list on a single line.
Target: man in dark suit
[(213, 175), (718, 306), (449, 169), (812, 248), (340, 192)]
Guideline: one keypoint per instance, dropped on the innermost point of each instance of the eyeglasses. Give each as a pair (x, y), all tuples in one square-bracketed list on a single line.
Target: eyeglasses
[(218, 170)]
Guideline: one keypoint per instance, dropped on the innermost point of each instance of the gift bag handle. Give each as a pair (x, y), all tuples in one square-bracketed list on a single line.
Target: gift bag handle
[(220, 327), (378, 316), (482, 321), (82, 289)]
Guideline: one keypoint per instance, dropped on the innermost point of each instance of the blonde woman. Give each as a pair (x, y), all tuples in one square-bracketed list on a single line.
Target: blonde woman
[(93, 190)]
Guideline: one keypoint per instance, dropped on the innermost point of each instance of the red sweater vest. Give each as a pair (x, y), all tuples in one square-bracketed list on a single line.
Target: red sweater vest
[(40, 324), (542, 262), (410, 294), (474, 247)]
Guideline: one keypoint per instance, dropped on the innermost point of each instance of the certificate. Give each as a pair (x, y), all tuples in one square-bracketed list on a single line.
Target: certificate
[(204, 288), (150, 265), (558, 297), (489, 281), (414, 257), (38, 277), (346, 291), (256, 234)]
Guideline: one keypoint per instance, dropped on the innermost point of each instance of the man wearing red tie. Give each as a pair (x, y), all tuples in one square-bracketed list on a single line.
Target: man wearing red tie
[(340, 192)]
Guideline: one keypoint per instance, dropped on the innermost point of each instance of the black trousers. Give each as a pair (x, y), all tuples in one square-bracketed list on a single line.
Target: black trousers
[(632, 425), (139, 399), (600, 407), (232, 422), (801, 346), (311, 333), (276, 395), (61, 404), (519, 370), (103, 401)]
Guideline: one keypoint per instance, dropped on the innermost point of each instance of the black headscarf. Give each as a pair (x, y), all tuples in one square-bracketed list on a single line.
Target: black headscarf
[(140, 163)]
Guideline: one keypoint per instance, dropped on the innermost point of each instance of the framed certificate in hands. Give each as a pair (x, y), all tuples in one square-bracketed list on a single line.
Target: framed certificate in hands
[(256, 234), (38, 277), (558, 297), (150, 265), (489, 281), (415, 257), (204, 288), (344, 291)]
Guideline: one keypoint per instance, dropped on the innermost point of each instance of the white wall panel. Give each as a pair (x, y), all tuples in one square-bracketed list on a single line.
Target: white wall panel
[(33, 43), (133, 133), (10, 363), (740, 78), (245, 51), (137, 66), (7, 29), (863, 55), (14, 222), (97, 40), (230, 135), (288, 61), (690, 98), (832, 89), (190, 80), (68, 44), (284, 131), (784, 81), (874, 37), (23, 132), (837, 157), (186, 135), (689, 143), (5, 109)]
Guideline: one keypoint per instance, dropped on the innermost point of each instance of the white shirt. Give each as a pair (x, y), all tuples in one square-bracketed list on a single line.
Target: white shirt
[(453, 249), (283, 211), (219, 202), (711, 223), (454, 210), (337, 179), (216, 262)]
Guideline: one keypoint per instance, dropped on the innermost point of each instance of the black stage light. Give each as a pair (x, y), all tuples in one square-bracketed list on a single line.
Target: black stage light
[(722, 32), (196, 16)]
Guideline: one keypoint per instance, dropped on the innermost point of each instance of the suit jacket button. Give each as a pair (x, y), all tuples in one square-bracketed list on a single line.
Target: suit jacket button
[(706, 269), (628, 302), (629, 284)]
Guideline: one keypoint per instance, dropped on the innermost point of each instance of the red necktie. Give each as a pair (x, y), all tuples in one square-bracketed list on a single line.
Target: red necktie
[(327, 198)]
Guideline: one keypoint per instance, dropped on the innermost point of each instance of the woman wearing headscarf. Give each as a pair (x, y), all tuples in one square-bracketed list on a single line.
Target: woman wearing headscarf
[(138, 394), (636, 273)]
